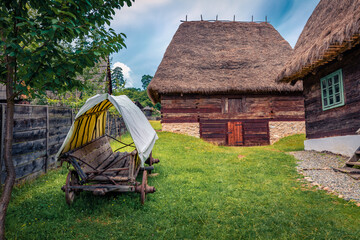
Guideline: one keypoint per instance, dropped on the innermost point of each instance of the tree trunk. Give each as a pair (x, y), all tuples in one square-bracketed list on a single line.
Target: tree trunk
[(9, 165)]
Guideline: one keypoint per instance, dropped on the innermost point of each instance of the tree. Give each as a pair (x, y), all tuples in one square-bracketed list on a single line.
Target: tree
[(136, 94), (146, 79), (43, 45), (93, 83), (117, 78)]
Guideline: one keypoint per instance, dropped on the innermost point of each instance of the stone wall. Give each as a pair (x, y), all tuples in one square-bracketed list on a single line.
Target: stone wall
[(191, 129), (282, 129)]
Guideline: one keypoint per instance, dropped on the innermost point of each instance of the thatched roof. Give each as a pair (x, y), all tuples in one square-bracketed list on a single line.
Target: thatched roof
[(333, 28), (222, 57)]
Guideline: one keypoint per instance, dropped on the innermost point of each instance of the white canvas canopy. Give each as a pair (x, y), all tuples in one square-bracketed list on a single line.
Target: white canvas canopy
[(90, 122)]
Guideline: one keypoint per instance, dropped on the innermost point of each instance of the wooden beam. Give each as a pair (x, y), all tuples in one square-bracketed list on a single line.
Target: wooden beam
[(47, 140), (2, 140)]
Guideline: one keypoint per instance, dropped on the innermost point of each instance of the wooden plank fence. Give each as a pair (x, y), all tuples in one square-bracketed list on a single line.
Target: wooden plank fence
[(38, 134)]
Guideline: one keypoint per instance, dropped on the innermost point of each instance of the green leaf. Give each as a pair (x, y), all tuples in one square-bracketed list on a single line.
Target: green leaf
[(21, 24), (54, 21), (67, 13)]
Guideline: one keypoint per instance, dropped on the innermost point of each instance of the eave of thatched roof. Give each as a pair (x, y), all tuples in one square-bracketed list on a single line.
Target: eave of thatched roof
[(333, 28), (222, 57)]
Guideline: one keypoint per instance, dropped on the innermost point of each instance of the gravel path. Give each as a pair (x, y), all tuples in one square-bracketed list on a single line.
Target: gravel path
[(316, 167)]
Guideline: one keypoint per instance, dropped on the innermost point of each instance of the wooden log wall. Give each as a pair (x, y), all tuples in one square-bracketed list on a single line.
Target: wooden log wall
[(39, 132), (214, 111), (339, 121), (115, 125)]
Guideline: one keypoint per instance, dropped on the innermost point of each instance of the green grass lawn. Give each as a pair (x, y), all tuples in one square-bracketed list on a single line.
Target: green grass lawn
[(155, 124), (203, 192)]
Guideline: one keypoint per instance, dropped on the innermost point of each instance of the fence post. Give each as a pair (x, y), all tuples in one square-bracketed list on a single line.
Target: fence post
[(116, 127), (2, 140), (47, 139), (108, 123)]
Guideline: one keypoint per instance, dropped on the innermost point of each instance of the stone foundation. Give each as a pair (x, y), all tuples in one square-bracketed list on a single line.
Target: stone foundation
[(191, 129), (282, 129), (344, 145)]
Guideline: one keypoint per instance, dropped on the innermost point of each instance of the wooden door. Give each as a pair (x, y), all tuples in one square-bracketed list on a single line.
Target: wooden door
[(235, 134)]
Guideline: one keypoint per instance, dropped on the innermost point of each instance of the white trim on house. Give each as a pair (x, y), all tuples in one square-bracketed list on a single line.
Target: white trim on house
[(344, 145)]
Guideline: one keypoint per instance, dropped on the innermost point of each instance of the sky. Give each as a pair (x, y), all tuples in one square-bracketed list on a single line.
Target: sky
[(150, 25)]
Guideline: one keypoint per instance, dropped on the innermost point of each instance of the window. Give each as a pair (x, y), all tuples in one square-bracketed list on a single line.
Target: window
[(332, 93), (233, 105)]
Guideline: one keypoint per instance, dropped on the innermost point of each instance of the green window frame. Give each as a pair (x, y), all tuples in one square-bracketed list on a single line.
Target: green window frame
[(332, 90)]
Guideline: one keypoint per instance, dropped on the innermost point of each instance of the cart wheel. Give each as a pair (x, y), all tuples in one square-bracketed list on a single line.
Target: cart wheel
[(143, 187), (151, 161), (71, 180)]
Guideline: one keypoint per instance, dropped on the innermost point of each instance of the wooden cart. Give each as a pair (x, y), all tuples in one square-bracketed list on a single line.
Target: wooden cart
[(93, 166), (96, 168)]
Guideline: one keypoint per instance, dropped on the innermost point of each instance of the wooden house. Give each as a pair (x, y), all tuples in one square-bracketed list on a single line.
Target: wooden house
[(137, 103), (2, 93), (217, 81), (327, 59), (147, 111)]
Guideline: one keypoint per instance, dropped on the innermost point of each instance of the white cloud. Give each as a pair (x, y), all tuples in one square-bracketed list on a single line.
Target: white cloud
[(146, 5), (126, 70), (137, 14)]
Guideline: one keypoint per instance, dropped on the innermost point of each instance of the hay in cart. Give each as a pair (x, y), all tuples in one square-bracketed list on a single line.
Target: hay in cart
[(93, 165)]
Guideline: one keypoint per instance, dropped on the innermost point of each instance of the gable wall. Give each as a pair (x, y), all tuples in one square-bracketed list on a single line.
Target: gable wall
[(339, 121)]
